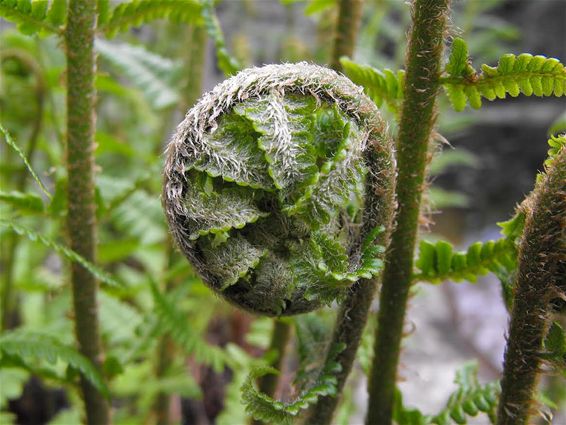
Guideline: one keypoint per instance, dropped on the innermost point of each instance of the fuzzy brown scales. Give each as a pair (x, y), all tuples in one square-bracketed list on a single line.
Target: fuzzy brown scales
[(283, 201)]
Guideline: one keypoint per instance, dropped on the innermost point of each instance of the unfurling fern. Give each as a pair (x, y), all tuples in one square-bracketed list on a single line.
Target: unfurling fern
[(34, 16), (266, 181), (526, 74)]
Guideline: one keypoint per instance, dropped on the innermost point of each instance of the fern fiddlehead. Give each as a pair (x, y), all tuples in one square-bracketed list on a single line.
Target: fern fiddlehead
[(270, 187)]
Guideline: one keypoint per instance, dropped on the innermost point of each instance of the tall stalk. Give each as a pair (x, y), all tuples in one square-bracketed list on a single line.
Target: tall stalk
[(346, 32), (353, 313), (541, 278), (81, 220), (423, 65)]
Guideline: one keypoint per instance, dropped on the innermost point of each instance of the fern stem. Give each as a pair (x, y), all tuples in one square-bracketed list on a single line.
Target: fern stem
[(279, 340), (81, 220), (540, 279), (347, 26), (353, 313), (12, 240), (415, 127)]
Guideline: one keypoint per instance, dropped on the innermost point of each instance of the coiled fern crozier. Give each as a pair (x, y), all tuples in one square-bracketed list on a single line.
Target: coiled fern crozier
[(272, 187)]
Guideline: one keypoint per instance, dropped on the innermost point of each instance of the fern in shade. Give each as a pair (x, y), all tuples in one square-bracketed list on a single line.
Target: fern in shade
[(265, 187)]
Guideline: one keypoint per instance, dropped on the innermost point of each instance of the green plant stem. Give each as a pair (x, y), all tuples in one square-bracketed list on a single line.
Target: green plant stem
[(195, 64), (415, 127), (81, 220), (279, 340), (12, 240), (541, 278), (347, 26), (353, 313)]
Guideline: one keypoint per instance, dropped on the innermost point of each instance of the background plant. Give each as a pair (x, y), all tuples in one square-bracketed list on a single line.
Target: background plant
[(149, 294)]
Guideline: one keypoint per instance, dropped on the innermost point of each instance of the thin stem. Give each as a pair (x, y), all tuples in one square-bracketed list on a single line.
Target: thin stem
[(347, 26), (81, 220), (416, 124), (353, 313), (12, 240), (541, 278), (279, 341)]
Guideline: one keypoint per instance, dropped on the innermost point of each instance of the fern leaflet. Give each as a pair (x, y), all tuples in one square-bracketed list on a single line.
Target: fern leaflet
[(153, 75), (138, 12), (262, 407), (438, 262), (35, 16), (381, 86), (62, 250), (20, 346), (513, 75), (27, 202), (469, 399), (227, 63), (174, 323), (14, 146)]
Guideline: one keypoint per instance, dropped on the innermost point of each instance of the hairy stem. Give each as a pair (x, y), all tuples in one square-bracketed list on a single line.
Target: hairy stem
[(12, 240), (353, 313), (347, 26), (81, 220), (415, 127), (541, 278)]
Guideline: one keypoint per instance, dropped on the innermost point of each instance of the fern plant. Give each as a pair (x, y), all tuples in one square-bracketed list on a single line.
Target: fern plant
[(279, 189)]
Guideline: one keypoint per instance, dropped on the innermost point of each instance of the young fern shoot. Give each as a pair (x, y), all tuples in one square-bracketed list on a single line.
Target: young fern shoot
[(540, 281)]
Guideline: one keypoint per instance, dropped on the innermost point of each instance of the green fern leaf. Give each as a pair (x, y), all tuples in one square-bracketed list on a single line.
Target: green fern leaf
[(26, 346), (62, 250), (469, 400), (35, 16), (27, 202), (138, 12), (438, 262), (262, 407), (381, 86), (152, 74), (175, 323), (526, 74), (10, 141), (227, 63)]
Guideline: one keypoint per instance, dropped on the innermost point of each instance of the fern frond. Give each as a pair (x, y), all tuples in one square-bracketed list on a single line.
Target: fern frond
[(381, 86), (525, 73), (154, 75), (62, 250), (25, 346), (176, 325), (262, 407), (27, 202), (10, 141), (135, 13), (35, 16), (227, 63), (469, 400), (555, 143)]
